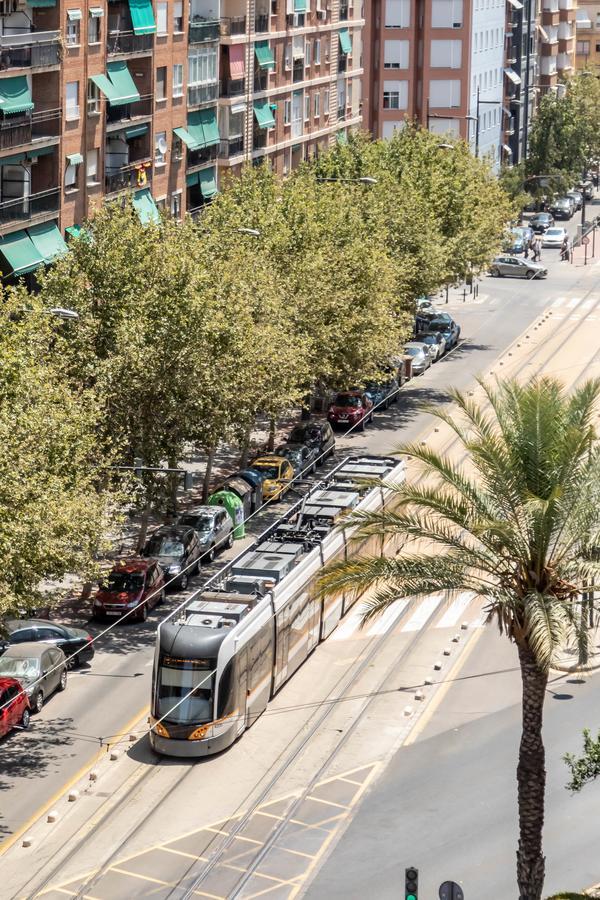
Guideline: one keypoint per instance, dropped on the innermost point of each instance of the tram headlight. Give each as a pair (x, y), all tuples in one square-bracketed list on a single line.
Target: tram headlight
[(204, 731), (159, 729)]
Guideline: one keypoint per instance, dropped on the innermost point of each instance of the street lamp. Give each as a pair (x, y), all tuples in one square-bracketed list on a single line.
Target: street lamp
[(481, 103)]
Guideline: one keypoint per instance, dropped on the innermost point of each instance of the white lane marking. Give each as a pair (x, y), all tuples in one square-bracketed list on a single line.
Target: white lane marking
[(348, 627), (387, 619), (573, 302), (558, 302), (422, 613), (455, 610), (587, 304)]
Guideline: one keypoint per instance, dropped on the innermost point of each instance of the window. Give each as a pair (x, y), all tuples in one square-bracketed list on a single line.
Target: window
[(176, 205), (317, 106), (72, 100), (583, 48), (73, 22), (202, 66), (95, 25), (306, 107), (326, 40), (397, 13), (326, 102), (91, 171), (71, 173), (317, 52), (178, 16), (395, 55), (93, 99), (161, 84), (287, 112), (307, 53), (178, 80), (161, 18), (160, 148), (443, 93), (395, 94), (446, 13), (287, 57)]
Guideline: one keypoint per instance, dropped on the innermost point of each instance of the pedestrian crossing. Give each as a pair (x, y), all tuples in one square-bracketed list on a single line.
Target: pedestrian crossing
[(572, 306)]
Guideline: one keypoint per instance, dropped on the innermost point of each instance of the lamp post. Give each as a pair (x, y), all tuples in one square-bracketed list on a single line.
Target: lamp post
[(437, 116)]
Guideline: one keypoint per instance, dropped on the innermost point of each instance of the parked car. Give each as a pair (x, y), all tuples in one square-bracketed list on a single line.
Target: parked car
[(445, 324), (587, 189), (69, 640), (351, 408), (317, 434), (178, 551), (302, 457), (278, 475), (527, 233), (40, 669), (382, 393), (137, 584), (541, 222), (515, 242), (562, 208), (14, 705), (517, 268), (421, 356), (576, 197), (554, 237), (424, 303), (214, 528), (436, 342)]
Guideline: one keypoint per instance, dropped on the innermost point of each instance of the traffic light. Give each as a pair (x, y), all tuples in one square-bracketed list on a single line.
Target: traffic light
[(411, 883)]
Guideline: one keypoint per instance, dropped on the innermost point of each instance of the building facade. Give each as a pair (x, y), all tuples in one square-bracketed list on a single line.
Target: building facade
[(588, 35), (160, 98)]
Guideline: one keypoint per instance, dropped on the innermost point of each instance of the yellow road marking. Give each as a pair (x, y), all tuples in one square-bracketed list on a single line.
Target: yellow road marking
[(273, 887), (212, 896), (178, 852), (137, 875), (327, 802), (349, 781), (242, 837), (295, 852)]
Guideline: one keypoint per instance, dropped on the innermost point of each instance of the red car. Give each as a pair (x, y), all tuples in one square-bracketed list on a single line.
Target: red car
[(14, 705), (132, 583), (350, 408)]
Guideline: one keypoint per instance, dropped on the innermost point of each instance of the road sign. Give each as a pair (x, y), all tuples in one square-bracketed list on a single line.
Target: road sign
[(585, 239), (450, 890)]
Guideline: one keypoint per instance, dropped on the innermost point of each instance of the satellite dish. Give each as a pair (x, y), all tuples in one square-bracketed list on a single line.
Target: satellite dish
[(162, 146)]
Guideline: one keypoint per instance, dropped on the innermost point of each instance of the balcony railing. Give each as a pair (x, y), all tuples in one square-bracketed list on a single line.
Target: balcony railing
[(23, 208), (30, 50), (231, 147), (232, 87), (118, 114), (199, 157), (203, 93), (200, 31), (261, 23), (233, 25), (23, 129), (126, 176), (128, 42)]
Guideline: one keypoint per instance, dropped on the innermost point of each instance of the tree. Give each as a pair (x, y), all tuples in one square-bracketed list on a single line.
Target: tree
[(58, 500), (517, 524), (586, 767)]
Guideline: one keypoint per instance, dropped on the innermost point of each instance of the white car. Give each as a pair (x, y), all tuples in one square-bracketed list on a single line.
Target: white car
[(554, 237)]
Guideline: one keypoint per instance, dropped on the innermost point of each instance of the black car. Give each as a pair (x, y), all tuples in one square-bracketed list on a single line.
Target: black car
[(541, 222), (562, 208), (302, 457), (443, 323), (315, 434), (382, 393), (72, 641), (178, 550)]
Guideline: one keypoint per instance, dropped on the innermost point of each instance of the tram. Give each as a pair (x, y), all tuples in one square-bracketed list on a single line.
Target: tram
[(224, 652)]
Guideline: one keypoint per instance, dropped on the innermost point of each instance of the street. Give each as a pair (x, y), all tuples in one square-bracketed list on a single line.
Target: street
[(467, 734)]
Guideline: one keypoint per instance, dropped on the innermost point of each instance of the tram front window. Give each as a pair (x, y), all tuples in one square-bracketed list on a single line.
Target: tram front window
[(185, 690)]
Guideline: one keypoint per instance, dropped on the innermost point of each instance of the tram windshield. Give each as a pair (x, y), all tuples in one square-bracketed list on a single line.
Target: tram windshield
[(185, 690)]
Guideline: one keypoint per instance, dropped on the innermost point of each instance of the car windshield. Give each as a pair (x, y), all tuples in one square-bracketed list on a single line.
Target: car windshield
[(555, 232), (346, 400), (185, 690), (298, 436), (26, 667), (125, 581), (413, 351), (166, 546), (428, 338), (439, 324), (268, 470), (200, 523)]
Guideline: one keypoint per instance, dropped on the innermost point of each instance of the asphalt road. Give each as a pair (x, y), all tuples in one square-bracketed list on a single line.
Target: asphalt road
[(447, 803), (103, 698)]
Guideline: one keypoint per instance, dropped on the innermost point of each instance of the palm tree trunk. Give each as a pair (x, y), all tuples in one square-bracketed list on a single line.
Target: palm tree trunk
[(531, 779)]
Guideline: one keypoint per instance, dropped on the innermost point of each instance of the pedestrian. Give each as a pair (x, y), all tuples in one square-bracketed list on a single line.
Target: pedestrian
[(537, 249), (526, 250), (564, 250)]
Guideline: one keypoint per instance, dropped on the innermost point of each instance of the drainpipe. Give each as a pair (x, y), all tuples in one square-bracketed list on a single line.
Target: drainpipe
[(527, 65)]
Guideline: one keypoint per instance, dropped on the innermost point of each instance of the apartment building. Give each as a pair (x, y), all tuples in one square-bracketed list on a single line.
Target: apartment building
[(159, 98), (588, 35)]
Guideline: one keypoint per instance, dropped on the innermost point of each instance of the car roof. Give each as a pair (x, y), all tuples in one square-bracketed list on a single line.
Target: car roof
[(201, 511), (351, 393), (15, 624), (28, 648), (270, 458), (417, 344), (176, 530), (134, 564)]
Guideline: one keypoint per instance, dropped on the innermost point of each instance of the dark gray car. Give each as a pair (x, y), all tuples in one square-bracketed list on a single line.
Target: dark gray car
[(41, 669), (213, 526)]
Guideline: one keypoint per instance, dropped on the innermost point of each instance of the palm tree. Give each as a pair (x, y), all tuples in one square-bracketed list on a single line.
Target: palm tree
[(516, 522)]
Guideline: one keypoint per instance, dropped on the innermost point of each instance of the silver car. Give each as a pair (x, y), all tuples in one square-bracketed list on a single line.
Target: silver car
[(41, 669), (213, 526), (420, 356), (517, 268), (554, 237)]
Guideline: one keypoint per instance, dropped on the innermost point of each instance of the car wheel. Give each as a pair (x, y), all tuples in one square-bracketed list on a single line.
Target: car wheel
[(161, 597), (38, 701), (530, 275), (495, 272), (183, 582), (361, 427), (63, 680), (209, 557), (25, 719), (143, 613), (229, 544)]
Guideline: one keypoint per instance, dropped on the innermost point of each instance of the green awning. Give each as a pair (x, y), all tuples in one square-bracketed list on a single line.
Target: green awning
[(41, 4), (135, 131), (263, 114), (117, 85), (20, 253), (74, 15), (192, 178), (13, 160), (299, 6), (203, 128), (345, 42), (142, 16), (74, 231), (145, 206), (15, 96), (47, 240), (42, 151), (265, 57), (342, 137), (188, 139), (75, 159), (208, 182)]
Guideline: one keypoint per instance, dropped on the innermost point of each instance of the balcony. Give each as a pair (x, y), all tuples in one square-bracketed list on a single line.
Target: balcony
[(202, 93), (233, 25), (231, 147), (23, 209), (117, 115), (201, 31), (261, 23), (32, 50), (30, 127), (261, 80), (126, 176), (201, 157), (232, 87), (128, 42), (261, 138)]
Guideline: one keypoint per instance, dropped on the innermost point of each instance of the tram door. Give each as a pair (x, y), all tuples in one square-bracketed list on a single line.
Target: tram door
[(242, 663), (282, 644)]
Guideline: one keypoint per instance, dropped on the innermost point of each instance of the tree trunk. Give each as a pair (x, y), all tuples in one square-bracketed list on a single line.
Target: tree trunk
[(531, 779), (271, 441), (171, 510), (143, 527), (210, 458), (245, 449)]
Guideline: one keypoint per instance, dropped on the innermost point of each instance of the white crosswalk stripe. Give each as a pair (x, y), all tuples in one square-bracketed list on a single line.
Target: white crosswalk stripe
[(456, 609), (385, 621), (348, 627), (422, 612)]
